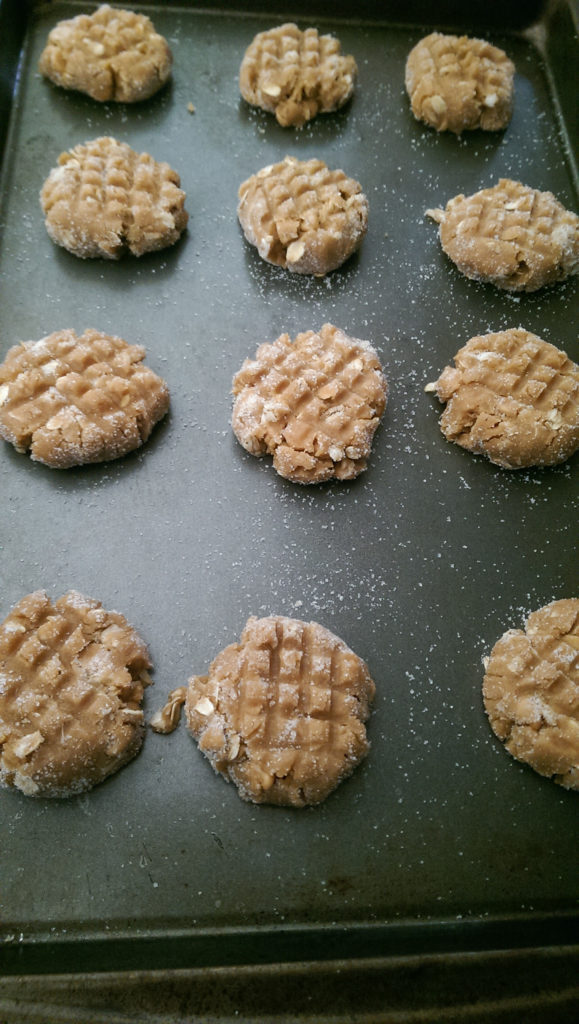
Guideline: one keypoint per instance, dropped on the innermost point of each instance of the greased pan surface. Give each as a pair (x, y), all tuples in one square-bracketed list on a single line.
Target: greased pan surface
[(419, 565)]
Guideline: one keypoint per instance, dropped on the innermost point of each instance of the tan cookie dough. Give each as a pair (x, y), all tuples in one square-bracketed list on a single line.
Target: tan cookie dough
[(512, 236), (313, 403), (456, 83), (296, 75), (72, 677), (110, 55), (512, 397), (70, 400), (531, 692), (302, 216), (105, 200), (281, 713)]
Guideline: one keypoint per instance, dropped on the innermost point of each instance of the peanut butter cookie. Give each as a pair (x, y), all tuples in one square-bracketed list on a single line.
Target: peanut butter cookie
[(512, 236), (105, 200), (70, 400), (512, 397), (281, 713), (72, 680), (110, 55), (456, 83), (296, 75), (314, 404), (531, 692), (302, 216)]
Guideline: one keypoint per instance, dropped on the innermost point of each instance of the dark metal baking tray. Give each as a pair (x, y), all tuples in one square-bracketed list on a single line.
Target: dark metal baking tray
[(440, 842)]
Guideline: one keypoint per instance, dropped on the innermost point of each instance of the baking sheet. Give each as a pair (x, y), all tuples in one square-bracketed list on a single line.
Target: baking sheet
[(440, 841)]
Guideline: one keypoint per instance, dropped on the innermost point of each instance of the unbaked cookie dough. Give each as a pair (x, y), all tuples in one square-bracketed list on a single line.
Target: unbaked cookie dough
[(71, 400), (281, 713), (313, 403), (110, 55), (302, 216), (73, 677), (105, 200), (531, 692), (296, 75), (512, 397), (510, 235), (456, 83)]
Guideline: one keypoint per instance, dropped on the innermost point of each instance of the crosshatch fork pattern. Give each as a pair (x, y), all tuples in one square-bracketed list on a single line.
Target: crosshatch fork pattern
[(456, 83), (531, 691), (314, 404), (303, 216), (295, 74), (72, 677), (513, 397), (516, 237), (281, 713), (73, 399), (110, 55), (105, 199)]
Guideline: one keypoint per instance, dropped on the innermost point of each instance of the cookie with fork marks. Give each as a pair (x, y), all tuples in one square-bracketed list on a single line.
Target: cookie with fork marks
[(296, 75), (456, 83), (71, 400), (313, 403), (302, 216), (282, 713), (512, 397), (512, 236), (109, 55), (73, 676), (104, 200), (531, 692)]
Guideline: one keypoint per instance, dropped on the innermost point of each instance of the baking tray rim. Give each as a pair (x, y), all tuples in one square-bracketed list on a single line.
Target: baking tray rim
[(239, 946)]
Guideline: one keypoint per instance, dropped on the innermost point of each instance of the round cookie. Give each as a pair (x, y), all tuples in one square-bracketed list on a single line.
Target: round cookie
[(105, 200), (302, 216), (281, 713), (314, 404), (531, 692), (71, 400), (296, 75), (512, 397), (456, 83), (510, 235), (110, 55), (72, 676)]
